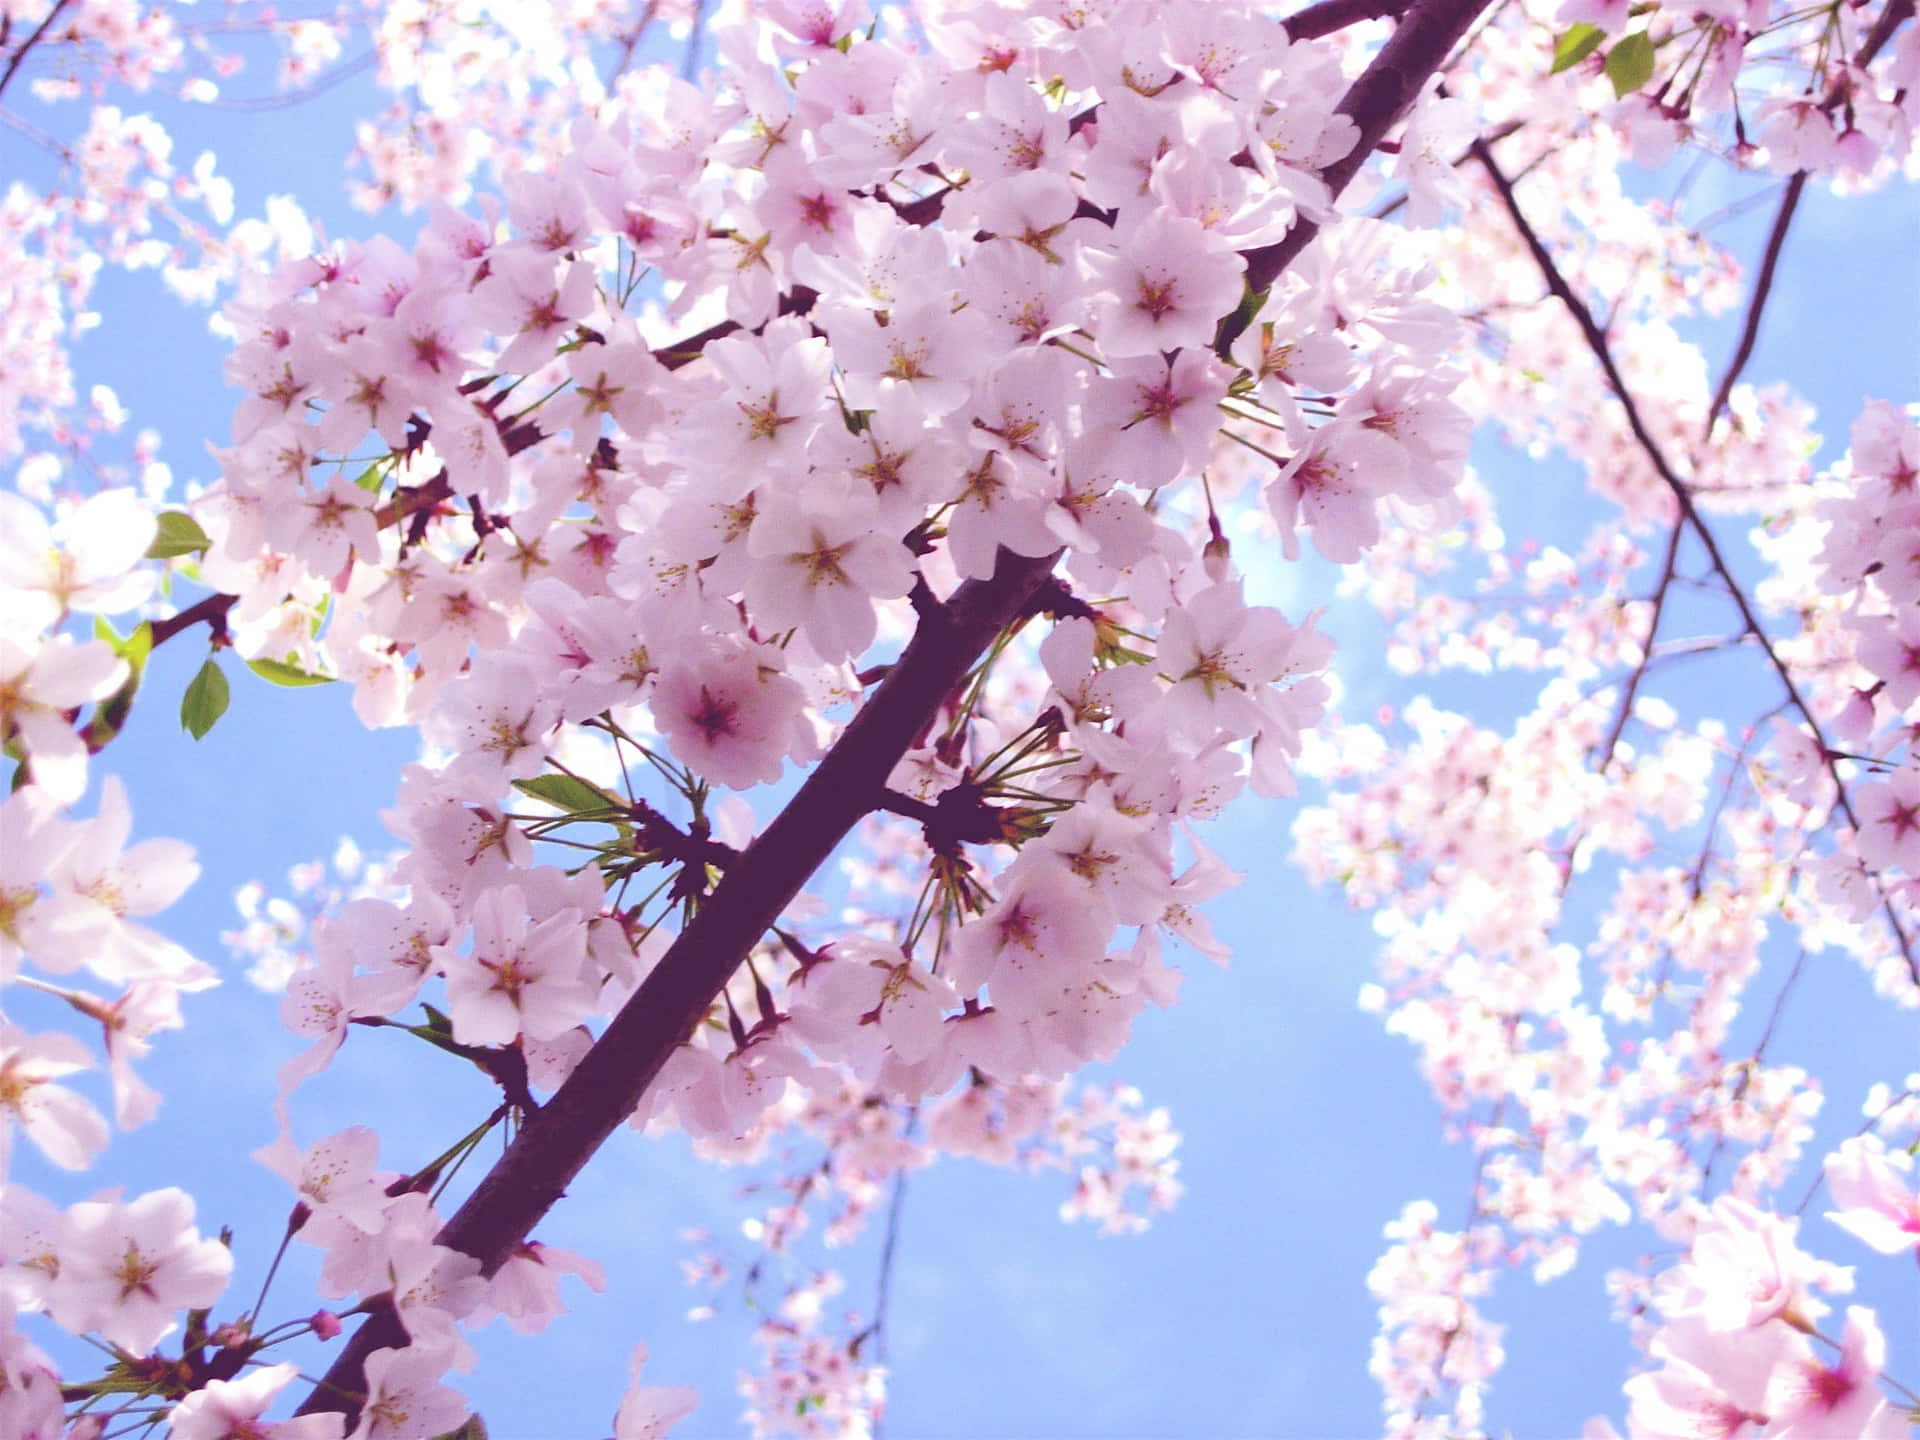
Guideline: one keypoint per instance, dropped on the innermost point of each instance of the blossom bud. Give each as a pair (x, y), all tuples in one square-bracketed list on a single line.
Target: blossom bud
[(1217, 557)]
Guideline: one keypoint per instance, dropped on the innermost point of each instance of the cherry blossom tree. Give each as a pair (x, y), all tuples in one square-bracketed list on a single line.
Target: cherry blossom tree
[(787, 440)]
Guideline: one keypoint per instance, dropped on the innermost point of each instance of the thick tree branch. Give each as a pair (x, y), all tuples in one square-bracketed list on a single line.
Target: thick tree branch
[(797, 301), (849, 783), (1374, 102), (1897, 13), (606, 1086), (1330, 15)]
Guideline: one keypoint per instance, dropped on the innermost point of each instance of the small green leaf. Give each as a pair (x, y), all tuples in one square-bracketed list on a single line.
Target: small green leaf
[(205, 700), (281, 673), (133, 648), (179, 534), (568, 794), (110, 715), (371, 478), (1630, 63), (1575, 45), (474, 1429)]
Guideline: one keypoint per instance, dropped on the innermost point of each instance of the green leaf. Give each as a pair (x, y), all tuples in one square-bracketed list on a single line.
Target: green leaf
[(371, 478), (474, 1429), (110, 715), (1630, 63), (133, 648), (205, 700), (1575, 45), (281, 673), (179, 534), (569, 794)]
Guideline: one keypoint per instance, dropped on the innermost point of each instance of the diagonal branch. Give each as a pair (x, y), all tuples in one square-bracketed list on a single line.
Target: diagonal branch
[(1602, 350), (1639, 674), (1897, 13), (1328, 16), (39, 34), (603, 1090), (1374, 102), (1757, 302)]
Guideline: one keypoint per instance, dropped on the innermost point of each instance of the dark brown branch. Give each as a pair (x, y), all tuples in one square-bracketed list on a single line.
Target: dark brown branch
[(1891, 18), (847, 785), (1602, 351), (1646, 650), (919, 811), (1331, 15), (32, 40), (1374, 103), (212, 611), (1757, 302), (797, 301), (606, 1086)]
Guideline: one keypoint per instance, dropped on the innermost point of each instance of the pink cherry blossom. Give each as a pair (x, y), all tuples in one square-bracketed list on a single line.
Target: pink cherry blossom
[(648, 1412), (63, 1126), (1879, 1203), (234, 1410), (128, 1268)]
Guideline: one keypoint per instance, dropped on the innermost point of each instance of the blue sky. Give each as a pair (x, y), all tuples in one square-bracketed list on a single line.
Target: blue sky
[(1306, 1128)]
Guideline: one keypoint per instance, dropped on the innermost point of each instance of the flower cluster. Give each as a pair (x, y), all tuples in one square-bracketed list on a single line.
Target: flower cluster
[(893, 411)]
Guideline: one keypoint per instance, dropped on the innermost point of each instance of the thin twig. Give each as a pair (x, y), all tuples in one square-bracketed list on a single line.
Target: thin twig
[(1890, 20), (883, 1288), (1602, 350), (211, 611), (1757, 302), (32, 40), (1759, 1051), (331, 80), (690, 61), (1646, 647)]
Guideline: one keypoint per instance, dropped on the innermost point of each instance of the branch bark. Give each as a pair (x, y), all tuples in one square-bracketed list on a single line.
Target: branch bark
[(603, 1090), (1328, 16), (1374, 102)]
